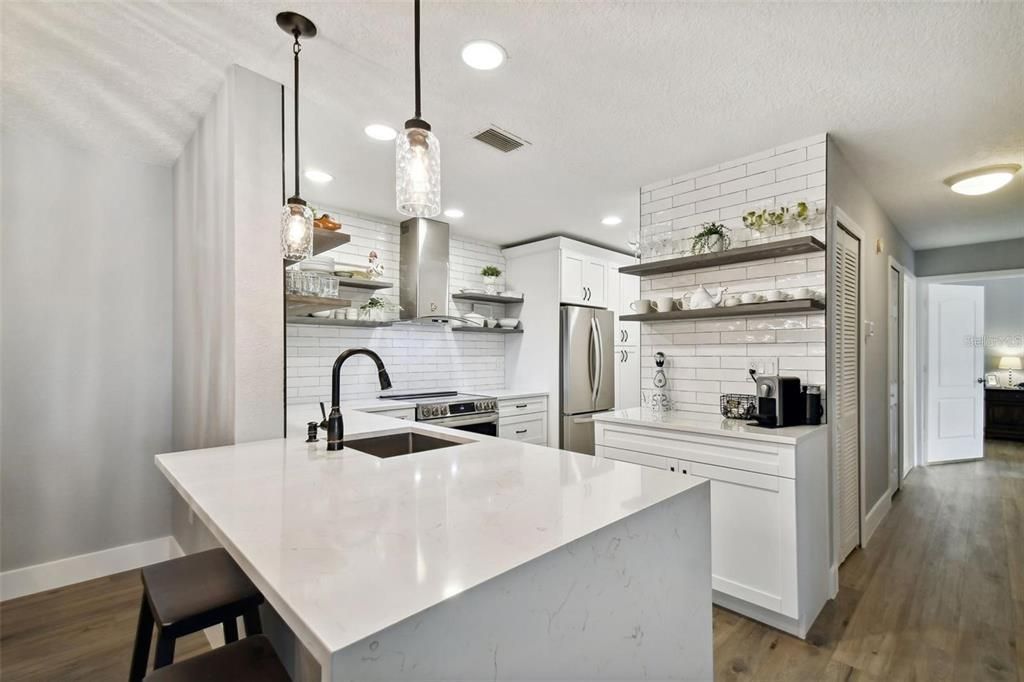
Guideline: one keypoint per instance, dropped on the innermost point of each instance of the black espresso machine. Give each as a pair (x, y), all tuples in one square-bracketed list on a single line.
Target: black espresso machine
[(780, 402)]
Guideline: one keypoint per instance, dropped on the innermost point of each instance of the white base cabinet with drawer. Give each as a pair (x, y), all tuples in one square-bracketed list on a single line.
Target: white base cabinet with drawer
[(524, 419), (770, 557)]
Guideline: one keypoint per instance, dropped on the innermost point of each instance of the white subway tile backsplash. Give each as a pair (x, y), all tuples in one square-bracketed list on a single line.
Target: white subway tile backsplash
[(777, 188), (417, 358), (720, 176), (720, 351), (777, 161)]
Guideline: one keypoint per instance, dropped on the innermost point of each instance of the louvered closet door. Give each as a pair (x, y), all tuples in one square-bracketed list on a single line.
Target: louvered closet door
[(845, 296)]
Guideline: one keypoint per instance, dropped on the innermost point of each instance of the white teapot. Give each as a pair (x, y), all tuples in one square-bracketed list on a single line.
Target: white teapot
[(700, 298)]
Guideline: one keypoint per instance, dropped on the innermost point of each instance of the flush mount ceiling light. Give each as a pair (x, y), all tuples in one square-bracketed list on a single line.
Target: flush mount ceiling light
[(379, 131), (319, 176), (454, 213), (483, 55), (982, 180), (296, 217), (417, 154), (611, 221)]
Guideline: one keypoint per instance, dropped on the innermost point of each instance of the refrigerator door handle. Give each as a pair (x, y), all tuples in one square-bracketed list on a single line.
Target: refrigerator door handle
[(600, 358), (595, 358)]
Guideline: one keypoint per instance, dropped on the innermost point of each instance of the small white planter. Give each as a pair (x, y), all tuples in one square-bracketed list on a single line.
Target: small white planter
[(491, 285)]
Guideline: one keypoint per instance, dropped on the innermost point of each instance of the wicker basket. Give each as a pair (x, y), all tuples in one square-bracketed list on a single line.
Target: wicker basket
[(737, 405)]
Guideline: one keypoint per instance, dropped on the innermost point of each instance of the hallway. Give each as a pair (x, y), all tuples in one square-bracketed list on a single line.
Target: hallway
[(937, 595)]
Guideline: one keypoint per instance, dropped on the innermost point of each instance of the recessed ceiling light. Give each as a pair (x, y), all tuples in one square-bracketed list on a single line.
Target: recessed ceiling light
[(319, 176), (483, 54), (379, 131), (982, 180), (611, 220), (454, 213)]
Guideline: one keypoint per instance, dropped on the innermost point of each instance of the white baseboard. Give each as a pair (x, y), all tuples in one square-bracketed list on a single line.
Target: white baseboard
[(874, 518), (31, 579)]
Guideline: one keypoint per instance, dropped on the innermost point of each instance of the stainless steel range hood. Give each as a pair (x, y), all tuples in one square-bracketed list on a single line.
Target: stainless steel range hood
[(423, 270)]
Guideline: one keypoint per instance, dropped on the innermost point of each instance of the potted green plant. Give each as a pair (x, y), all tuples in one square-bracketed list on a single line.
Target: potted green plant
[(491, 273), (373, 309), (754, 220), (712, 238)]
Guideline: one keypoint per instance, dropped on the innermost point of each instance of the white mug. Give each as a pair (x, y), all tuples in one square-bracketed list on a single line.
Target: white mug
[(642, 306), (802, 292), (732, 301), (749, 297), (774, 295), (664, 304)]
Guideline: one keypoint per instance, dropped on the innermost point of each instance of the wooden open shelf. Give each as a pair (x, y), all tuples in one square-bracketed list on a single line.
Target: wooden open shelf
[(298, 306), (325, 240), (797, 307), (744, 254), (331, 322), (487, 298), (487, 330), (354, 283)]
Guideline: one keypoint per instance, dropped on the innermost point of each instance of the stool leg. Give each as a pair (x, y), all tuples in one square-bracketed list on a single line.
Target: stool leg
[(230, 630), (251, 618), (143, 638), (164, 651)]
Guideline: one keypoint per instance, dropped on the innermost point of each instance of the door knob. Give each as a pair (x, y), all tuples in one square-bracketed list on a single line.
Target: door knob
[(980, 381)]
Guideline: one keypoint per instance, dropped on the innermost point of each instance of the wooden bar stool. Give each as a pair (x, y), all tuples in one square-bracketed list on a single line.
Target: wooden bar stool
[(251, 659), (188, 594)]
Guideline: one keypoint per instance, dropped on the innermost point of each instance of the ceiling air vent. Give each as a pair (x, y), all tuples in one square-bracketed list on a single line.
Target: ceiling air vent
[(499, 139)]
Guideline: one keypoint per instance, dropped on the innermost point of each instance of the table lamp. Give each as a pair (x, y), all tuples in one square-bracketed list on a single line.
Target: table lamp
[(1010, 362)]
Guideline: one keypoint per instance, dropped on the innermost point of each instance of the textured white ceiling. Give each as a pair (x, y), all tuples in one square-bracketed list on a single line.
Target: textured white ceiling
[(612, 95)]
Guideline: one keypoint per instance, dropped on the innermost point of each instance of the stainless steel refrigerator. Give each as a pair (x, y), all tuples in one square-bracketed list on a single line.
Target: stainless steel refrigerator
[(587, 384)]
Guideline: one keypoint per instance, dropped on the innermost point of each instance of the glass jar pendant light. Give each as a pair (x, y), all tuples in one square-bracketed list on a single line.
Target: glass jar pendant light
[(296, 216), (417, 156)]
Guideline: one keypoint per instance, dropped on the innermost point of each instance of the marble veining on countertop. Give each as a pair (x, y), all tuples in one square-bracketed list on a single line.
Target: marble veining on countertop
[(707, 424), (344, 544)]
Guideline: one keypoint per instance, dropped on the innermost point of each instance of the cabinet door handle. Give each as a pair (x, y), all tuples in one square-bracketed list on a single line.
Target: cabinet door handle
[(520, 430), (625, 334), (520, 406)]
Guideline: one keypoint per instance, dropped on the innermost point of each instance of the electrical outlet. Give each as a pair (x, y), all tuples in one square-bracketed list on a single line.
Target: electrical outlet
[(754, 365)]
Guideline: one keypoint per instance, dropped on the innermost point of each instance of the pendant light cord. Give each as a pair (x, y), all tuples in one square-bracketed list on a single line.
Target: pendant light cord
[(296, 48), (416, 32)]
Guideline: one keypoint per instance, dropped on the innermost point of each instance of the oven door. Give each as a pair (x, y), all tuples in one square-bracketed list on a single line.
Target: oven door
[(486, 424)]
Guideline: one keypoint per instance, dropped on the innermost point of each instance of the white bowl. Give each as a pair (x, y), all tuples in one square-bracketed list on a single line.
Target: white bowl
[(508, 322)]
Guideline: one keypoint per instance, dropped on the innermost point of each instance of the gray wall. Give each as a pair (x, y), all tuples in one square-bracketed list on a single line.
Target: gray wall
[(86, 350), (846, 191), (1004, 322), (984, 257)]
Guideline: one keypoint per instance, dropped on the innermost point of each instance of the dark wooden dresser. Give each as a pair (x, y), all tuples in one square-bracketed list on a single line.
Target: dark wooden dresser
[(1004, 413)]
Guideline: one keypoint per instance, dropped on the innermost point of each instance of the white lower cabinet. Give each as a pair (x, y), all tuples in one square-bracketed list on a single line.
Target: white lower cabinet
[(753, 536), (524, 419), (769, 532)]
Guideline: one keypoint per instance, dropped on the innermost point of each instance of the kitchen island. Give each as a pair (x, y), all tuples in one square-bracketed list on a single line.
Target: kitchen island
[(488, 559)]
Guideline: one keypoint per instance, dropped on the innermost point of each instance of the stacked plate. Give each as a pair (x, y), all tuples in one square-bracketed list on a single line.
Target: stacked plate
[(318, 264)]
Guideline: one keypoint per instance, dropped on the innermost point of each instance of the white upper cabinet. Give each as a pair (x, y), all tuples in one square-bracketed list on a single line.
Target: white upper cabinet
[(584, 279), (627, 377), (628, 291)]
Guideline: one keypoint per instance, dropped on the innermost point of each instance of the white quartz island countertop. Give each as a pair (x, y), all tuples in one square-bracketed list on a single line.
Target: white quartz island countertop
[(710, 424), (345, 546)]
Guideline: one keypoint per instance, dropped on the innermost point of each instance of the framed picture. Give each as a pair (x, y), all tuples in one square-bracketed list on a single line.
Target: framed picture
[(991, 380)]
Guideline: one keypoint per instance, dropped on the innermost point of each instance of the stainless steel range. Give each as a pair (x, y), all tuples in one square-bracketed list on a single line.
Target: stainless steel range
[(462, 411)]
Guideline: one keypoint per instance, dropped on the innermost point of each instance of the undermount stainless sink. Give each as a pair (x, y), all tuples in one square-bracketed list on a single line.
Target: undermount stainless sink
[(402, 443)]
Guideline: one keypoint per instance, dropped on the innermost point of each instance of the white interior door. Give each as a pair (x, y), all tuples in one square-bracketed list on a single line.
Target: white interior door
[(895, 340), (956, 385), (845, 297)]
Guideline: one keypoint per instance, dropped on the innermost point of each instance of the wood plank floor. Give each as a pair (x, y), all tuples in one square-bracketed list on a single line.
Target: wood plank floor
[(937, 595)]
